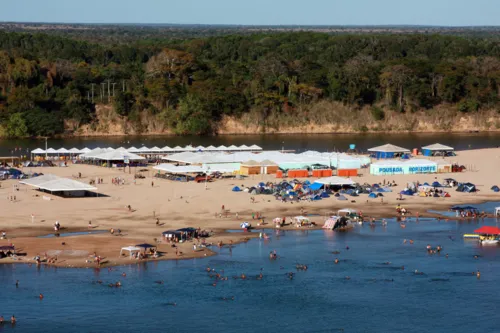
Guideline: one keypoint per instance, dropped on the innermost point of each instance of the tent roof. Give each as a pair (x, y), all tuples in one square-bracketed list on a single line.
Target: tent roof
[(145, 245), (54, 183), (250, 163), (388, 148), (268, 163), (38, 151), (255, 147), (170, 168), (63, 150), (74, 150), (488, 230), (143, 149), (437, 146), (51, 150), (117, 155), (85, 150), (334, 180), (167, 148), (131, 248)]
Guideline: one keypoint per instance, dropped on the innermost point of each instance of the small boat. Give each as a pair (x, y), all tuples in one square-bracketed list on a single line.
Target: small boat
[(491, 241)]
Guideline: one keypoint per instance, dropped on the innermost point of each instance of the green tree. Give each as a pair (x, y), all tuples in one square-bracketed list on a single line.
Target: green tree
[(123, 103), (16, 126), (191, 117)]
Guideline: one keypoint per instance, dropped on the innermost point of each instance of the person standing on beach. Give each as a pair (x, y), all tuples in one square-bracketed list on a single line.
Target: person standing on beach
[(152, 184)]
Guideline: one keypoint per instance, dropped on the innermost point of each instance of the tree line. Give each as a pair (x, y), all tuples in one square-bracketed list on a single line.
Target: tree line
[(51, 85)]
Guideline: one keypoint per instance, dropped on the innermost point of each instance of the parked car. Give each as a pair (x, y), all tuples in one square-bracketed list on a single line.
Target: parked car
[(203, 178)]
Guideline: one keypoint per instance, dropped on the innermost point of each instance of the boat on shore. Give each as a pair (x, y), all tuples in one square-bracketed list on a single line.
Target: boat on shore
[(343, 221)]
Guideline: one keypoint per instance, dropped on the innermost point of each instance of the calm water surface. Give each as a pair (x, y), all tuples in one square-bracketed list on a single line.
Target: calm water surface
[(377, 298), (298, 142)]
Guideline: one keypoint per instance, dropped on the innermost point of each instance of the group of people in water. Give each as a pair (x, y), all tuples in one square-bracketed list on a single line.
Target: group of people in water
[(12, 320)]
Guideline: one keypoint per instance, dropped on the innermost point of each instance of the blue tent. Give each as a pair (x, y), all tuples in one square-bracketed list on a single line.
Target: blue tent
[(262, 184), (307, 182), (324, 195), (372, 195), (341, 198), (495, 188), (436, 184), (407, 192), (380, 190), (315, 186), (236, 189), (426, 184)]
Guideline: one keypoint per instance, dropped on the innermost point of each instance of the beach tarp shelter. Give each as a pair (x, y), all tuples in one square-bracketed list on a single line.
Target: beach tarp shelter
[(334, 180), (181, 169), (53, 183), (130, 249), (315, 186), (388, 151), (437, 147), (146, 246)]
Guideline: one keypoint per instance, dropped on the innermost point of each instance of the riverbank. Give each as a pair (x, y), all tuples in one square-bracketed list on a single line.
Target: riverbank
[(178, 205)]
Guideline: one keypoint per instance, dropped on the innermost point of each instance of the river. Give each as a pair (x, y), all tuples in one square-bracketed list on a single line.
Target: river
[(298, 142), (378, 297)]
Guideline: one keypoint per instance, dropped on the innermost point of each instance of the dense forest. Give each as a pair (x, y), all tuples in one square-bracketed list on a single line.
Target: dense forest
[(51, 84)]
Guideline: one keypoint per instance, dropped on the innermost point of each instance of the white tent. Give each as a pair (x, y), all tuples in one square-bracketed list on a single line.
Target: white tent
[(189, 148), (437, 147), (167, 149), (334, 180), (170, 168), (117, 155), (54, 183), (255, 147), (38, 151), (388, 148), (130, 249), (155, 149), (143, 149), (63, 151), (210, 148), (74, 151), (85, 150), (177, 148), (221, 148), (200, 148), (132, 149), (51, 151), (233, 147)]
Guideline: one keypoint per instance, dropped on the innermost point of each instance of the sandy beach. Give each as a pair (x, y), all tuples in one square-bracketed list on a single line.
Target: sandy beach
[(178, 205)]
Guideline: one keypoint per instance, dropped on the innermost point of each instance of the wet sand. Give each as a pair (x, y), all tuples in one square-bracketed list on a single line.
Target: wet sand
[(179, 205)]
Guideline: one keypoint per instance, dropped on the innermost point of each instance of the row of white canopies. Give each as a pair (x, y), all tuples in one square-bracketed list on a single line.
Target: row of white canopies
[(146, 150)]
